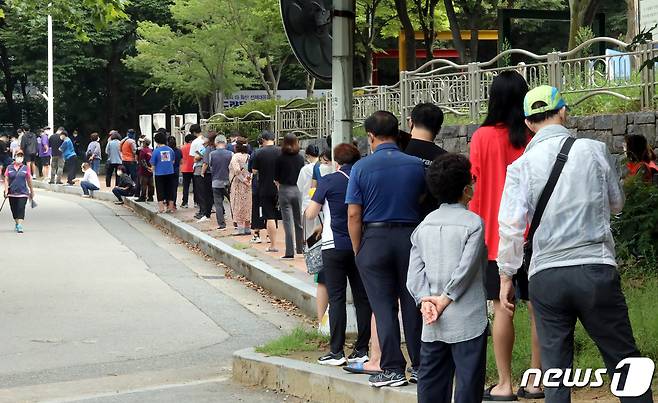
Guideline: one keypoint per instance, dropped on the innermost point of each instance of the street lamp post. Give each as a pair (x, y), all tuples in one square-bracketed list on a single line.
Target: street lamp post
[(51, 94)]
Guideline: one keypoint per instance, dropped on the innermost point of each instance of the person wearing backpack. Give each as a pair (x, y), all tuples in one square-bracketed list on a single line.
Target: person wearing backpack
[(565, 190), (29, 147)]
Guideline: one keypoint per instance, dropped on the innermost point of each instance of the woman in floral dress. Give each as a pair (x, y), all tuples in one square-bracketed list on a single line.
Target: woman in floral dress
[(240, 178)]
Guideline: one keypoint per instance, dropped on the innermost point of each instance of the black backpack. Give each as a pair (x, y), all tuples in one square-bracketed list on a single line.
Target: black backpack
[(30, 142)]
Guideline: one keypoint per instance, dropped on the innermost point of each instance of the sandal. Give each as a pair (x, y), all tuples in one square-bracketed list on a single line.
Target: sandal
[(497, 398), (524, 394)]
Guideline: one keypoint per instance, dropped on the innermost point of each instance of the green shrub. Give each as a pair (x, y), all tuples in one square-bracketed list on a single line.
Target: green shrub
[(267, 106), (636, 228)]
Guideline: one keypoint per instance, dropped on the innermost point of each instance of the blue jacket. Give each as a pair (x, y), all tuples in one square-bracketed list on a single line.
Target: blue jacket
[(67, 149)]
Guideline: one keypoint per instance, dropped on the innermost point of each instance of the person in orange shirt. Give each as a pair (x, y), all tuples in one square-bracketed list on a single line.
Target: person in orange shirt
[(128, 150), (187, 169), (500, 140), (641, 159)]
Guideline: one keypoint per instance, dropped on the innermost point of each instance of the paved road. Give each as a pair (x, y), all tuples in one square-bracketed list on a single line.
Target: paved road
[(97, 306)]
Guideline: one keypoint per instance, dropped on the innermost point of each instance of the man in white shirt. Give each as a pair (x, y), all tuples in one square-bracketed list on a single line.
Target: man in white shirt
[(573, 272), (89, 182)]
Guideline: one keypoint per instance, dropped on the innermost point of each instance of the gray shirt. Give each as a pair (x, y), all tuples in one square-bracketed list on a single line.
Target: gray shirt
[(218, 162), (113, 152), (449, 257)]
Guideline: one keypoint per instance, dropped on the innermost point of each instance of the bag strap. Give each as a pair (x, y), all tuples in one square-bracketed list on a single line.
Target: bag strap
[(344, 174), (560, 161)]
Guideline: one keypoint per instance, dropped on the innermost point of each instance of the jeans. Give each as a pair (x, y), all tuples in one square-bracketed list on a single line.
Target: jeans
[(70, 168), (56, 168), (589, 293), (109, 170), (383, 262), (87, 186), (440, 362), (218, 196), (187, 181), (96, 165), (339, 266), (120, 193), (290, 202)]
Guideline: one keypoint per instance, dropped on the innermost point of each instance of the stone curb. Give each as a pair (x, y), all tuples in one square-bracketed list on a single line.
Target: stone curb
[(312, 381), (280, 284)]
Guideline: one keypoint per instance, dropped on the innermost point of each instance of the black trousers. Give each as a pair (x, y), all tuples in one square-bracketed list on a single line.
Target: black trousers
[(70, 169), (591, 294), (17, 206), (339, 266), (440, 362), (120, 193), (383, 262), (187, 181), (203, 192), (109, 170)]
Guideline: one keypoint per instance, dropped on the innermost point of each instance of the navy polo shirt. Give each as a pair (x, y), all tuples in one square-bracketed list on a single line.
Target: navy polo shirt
[(332, 189), (388, 185)]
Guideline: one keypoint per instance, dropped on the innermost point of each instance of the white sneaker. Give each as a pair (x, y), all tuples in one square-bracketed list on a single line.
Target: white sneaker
[(86, 197), (256, 239), (202, 219)]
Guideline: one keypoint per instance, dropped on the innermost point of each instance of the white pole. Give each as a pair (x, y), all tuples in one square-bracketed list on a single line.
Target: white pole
[(51, 93), (341, 81)]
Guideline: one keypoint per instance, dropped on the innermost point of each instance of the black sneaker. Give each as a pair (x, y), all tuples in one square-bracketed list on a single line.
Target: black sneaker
[(332, 359), (387, 378), (198, 216), (140, 200), (413, 375), (358, 356)]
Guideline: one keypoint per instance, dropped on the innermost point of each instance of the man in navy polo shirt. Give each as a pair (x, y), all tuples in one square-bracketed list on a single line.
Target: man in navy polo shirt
[(383, 195)]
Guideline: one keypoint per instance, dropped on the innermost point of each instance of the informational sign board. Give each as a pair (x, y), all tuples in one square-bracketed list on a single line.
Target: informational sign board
[(146, 125), (648, 15), (160, 121)]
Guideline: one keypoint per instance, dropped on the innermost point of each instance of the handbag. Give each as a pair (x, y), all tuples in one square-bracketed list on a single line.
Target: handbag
[(313, 252), (546, 193)]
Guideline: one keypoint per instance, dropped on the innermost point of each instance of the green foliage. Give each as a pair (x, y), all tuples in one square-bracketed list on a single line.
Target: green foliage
[(636, 228), (583, 35), (267, 106), (300, 339)]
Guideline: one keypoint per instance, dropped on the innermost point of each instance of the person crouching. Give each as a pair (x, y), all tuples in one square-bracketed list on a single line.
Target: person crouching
[(125, 186), (446, 278)]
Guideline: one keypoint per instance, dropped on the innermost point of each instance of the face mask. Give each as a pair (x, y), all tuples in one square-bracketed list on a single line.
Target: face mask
[(19, 160), (120, 173)]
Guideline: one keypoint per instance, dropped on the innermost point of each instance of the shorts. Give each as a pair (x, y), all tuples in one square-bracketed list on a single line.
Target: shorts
[(164, 187), (320, 278), (45, 161), (30, 157), (520, 281), (269, 207)]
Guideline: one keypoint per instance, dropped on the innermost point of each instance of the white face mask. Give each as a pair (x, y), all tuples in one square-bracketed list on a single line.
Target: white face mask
[(119, 173), (19, 160)]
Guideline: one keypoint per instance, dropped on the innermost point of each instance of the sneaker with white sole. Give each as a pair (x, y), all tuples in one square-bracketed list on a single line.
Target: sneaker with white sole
[(332, 359), (202, 219), (413, 375), (256, 239), (387, 378), (358, 356)]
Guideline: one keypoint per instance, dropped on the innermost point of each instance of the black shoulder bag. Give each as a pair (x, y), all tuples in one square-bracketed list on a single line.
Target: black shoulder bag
[(560, 161)]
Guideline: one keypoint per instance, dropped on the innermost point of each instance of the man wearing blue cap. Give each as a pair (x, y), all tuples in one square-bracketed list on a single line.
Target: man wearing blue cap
[(566, 191)]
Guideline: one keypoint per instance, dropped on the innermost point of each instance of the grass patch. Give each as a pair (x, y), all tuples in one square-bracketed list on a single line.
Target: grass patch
[(640, 298), (299, 339)]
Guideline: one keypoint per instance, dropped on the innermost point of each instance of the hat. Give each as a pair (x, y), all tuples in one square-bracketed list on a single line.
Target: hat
[(220, 139), (546, 94), (268, 135)]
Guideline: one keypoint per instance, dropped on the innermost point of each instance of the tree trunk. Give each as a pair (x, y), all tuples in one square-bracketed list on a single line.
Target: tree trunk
[(409, 33), (26, 103), (369, 67), (455, 30), (631, 21), (8, 86), (582, 13), (310, 86)]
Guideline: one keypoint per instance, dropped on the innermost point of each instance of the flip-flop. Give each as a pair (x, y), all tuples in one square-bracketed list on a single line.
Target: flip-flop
[(523, 393), (497, 398), (358, 368)]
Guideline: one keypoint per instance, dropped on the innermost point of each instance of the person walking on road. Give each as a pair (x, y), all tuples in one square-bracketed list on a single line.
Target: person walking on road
[(57, 161), (565, 190), (219, 161), (93, 154), (162, 161), (18, 189), (381, 219), (90, 181), (125, 186), (113, 151), (286, 171), (70, 157), (240, 180), (145, 172)]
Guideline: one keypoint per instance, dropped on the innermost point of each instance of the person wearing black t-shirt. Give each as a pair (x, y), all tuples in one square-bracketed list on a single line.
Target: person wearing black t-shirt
[(286, 171), (425, 123), (263, 164)]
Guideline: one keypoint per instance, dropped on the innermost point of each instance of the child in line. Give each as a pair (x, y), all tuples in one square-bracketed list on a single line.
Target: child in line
[(446, 278)]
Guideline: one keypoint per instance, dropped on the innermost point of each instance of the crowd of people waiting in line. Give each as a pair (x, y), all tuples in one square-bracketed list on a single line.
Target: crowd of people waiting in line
[(414, 229)]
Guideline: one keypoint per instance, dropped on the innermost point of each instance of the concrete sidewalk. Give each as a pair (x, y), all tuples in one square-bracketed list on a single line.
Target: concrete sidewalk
[(285, 279)]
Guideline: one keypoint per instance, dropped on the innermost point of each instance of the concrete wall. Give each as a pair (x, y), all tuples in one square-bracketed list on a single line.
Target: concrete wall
[(609, 129)]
